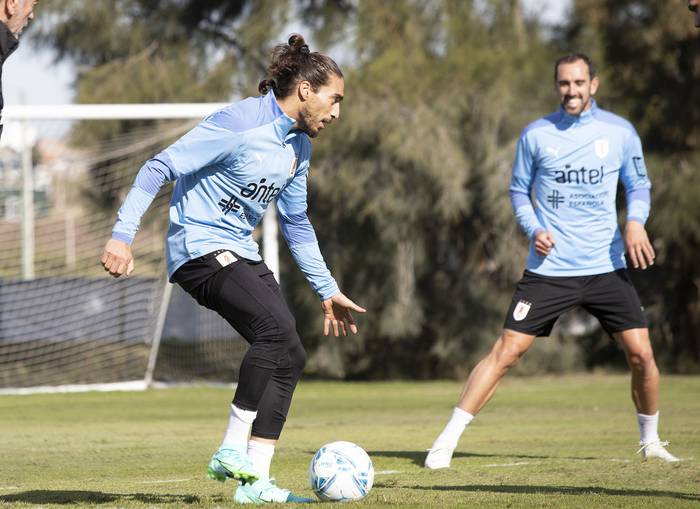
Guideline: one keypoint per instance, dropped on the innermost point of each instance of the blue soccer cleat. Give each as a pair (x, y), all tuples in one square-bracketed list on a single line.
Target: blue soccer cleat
[(265, 491), (231, 463)]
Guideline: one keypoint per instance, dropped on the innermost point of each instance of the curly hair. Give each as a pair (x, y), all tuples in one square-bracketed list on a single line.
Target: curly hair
[(292, 63)]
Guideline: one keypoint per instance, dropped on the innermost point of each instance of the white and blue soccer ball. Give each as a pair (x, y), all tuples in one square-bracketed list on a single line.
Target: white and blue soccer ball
[(341, 471)]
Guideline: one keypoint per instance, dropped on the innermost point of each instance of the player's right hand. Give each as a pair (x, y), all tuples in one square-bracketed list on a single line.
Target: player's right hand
[(544, 243), (117, 258)]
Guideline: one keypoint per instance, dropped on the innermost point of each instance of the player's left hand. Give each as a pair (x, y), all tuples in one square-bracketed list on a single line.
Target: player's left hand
[(336, 315), (639, 249)]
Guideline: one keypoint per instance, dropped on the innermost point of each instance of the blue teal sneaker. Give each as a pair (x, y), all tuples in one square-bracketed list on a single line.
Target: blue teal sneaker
[(233, 463), (264, 491)]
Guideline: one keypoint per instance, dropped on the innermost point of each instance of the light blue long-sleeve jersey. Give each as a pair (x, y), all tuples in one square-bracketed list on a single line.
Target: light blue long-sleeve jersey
[(228, 169), (572, 164)]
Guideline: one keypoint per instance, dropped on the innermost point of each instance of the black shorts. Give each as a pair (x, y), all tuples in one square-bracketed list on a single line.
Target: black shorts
[(539, 301)]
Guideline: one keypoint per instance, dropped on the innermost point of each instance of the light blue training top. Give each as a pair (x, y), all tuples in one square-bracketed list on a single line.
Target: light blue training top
[(571, 165), (228, 169)]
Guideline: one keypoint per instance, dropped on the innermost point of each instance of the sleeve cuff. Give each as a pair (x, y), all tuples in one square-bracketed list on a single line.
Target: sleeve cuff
[(123, 237), (636, 219), (329, 291)]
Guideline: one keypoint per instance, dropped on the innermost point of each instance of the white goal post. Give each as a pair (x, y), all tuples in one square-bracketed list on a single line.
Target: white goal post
[(64, 324)]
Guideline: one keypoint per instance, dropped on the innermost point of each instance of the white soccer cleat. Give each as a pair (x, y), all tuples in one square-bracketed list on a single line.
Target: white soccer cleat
[(657, 449), (439, 457)]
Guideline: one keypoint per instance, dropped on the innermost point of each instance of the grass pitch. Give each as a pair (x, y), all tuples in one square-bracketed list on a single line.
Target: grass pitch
[(541, 442)]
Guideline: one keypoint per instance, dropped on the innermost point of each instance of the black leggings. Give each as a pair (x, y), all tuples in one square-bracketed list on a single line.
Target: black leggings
[(247, 295)]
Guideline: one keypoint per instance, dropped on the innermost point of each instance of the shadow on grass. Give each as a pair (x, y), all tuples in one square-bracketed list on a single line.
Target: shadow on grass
[(418, 457), (558, 490), (93, 497)]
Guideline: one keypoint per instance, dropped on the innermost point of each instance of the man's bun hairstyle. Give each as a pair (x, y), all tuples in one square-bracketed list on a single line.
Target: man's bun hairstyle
[(294, 62)]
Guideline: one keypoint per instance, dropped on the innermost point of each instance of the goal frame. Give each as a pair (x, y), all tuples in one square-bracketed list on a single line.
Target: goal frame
[(25, 114)]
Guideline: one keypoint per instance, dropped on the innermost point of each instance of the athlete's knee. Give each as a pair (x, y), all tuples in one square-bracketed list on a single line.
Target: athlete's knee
[(508, 357), (642, 359), (297, 359), (509, 349), (503, 357), (287, 325)]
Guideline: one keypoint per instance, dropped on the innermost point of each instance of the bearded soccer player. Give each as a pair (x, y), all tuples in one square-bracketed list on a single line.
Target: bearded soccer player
[(227, 171), (571, 161)]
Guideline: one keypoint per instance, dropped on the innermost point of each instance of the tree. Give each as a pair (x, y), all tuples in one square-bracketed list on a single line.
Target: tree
[(412, 183)]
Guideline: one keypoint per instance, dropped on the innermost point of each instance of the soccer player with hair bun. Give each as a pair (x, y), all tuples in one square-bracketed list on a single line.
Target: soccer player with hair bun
[(227, 171)]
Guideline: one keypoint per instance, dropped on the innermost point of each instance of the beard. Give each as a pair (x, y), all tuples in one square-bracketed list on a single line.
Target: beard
[(305, 122)]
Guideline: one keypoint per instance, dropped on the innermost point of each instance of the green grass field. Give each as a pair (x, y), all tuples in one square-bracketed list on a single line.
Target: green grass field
[(541, 442)]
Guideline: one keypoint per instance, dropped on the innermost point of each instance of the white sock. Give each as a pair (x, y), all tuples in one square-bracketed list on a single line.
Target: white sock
[(454, 429), (238, 430), (260, 453), (648, 427)]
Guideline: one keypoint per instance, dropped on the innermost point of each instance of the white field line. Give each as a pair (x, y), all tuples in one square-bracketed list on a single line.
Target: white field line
[(615, 460), (134, 385), (387, 472)]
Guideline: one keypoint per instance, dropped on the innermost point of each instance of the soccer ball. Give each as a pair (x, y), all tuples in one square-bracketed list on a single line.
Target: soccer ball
[(341, 471)]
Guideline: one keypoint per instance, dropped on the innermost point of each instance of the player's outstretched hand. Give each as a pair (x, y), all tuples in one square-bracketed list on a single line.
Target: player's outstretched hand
[(117, 258), (544, 243), (638, 247), (336, 315)]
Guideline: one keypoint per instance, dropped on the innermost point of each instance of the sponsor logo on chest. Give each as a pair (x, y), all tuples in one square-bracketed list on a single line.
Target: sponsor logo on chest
[(582, 175), (260, 192)]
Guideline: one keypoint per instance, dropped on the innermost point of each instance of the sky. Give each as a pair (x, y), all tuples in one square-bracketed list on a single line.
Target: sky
[(31, 76)]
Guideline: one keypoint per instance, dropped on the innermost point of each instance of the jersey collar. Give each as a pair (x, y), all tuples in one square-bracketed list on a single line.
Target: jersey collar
[(283, 122)]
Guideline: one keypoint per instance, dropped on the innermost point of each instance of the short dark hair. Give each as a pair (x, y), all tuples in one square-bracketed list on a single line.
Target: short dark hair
[(292, 63), (575, 57)]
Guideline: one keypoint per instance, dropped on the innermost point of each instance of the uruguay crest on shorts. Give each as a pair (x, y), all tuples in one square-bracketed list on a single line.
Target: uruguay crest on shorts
[(522, 308)]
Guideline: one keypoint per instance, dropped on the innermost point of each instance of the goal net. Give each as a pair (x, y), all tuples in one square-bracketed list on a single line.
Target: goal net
[(65, 324)]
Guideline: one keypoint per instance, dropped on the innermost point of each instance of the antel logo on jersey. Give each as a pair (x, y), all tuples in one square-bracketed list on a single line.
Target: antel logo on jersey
[(260, 192), (601, 147), (253, 191), (581, 175), (522, 308)]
